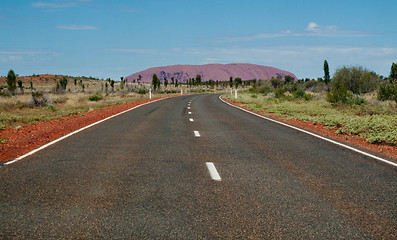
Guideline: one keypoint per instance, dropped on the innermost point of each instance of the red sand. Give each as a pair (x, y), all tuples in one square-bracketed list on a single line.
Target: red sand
[(32, 136)]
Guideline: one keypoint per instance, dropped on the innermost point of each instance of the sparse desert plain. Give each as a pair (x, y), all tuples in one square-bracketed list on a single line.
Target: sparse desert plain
[(41, 111)]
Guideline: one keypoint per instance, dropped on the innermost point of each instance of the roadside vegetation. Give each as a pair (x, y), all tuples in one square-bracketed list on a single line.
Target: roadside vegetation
[(45, 97), (354, 101)]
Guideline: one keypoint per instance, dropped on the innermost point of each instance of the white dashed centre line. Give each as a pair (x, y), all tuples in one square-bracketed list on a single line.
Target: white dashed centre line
[(196, 133), (188, 107), (189, 112), (213, 172), (191, 119)]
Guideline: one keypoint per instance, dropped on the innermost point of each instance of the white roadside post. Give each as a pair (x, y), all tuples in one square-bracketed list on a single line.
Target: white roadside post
[(235, 94), (150, 93)]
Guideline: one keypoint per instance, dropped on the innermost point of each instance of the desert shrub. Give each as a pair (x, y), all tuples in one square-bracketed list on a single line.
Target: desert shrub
[(264, 90), (279, 93), (276, 82), (61, 85), (388, 91), (298, 93), (356, 100), (357, 79), (11, 81), (172, 91), (142, 91), (338, 93), (39, 99), (308, 96), (95, 97), (253, 89), (254, 95)]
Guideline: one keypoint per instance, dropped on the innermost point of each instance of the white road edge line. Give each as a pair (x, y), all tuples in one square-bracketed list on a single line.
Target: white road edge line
[(213, 172), (315, 135), (72, 133), (191, 119), (196, 133)]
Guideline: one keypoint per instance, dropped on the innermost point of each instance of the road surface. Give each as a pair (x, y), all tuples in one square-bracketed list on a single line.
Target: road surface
[(192, 167)]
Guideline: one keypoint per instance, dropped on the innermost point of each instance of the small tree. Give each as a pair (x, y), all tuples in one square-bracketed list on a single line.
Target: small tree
[(122, 85), (327, 78), (155, 82), (172, 81), (276, 82), (165, 82), (11, 81), (198, 79), (20, 85), (393, 71), (356, 79), (231, 81), (176, 82), (61, 85), (237, 82), (112, 85), (288, 79)]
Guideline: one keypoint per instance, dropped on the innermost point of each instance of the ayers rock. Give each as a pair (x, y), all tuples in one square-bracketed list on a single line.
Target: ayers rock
[(221, 72)]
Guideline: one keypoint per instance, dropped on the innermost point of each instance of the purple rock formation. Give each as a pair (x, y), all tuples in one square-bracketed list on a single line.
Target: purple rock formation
[(221, 72)]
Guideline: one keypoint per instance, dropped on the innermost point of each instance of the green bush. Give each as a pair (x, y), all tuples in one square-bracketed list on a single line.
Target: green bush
[(95, 97), (142, 91), (39, 99), (388, 91), (298, 93), (339, 93), (279, 93), (308, 96), (264, 90), (356, 100), (357, 80)]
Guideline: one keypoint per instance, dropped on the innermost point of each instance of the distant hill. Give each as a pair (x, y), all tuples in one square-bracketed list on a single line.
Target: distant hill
[(221, 72)]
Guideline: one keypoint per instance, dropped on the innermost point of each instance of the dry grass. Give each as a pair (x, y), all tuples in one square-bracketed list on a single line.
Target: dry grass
[(375, 121), (18, 110)]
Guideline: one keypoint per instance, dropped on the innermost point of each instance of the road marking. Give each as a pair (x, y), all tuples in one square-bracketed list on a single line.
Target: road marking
[(189, 112), (191, 119), (315, 135), (77, 131), (188, 107), (196, 133), (213, 172)]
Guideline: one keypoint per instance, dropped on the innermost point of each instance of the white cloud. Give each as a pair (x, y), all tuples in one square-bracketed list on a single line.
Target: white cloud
[(77, 27), (53, 5), (312, 30), (19, 55), (314, 27)]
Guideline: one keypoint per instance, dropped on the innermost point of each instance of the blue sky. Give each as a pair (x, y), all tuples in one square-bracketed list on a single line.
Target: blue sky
[(117, 38)]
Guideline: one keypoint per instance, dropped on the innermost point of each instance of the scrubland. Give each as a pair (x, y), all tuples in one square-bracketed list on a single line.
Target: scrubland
[(376, 121)]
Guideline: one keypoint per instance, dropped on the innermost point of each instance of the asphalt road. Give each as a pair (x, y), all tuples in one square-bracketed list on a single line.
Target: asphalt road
[(145, 175)]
